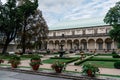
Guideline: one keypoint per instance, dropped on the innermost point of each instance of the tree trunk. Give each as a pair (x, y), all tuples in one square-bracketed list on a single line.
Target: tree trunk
[(23, 38), (23, 44), (5, 46)]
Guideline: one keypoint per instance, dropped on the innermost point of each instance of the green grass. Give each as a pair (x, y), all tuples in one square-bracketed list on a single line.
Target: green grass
[(65, 60), (50, 61), (101, 64)]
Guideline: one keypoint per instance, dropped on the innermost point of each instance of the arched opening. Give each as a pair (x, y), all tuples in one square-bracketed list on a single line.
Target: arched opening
[(69, 44), (84, 44), (108, 43), (51, 45), (91, 44), (76, 44), (56, 44), (99, 44)]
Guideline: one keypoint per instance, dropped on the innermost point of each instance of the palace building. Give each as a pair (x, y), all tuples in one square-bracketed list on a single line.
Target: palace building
[(86, 34)]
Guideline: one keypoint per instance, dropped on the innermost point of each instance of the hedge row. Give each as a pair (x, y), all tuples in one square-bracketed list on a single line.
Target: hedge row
[(105, 54), (72, 60), (29, 56), (103, 59), (61, 58), (80, 62), (69, 59)]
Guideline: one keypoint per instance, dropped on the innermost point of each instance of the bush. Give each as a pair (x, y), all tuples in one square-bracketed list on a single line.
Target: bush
[(115, 55), (14, 60), (103, 59), (90, 70), (35, 60), (117, 64), (29, 56)]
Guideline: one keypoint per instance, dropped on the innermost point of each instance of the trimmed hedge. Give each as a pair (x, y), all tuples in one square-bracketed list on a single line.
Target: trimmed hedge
[(29, 56), (74, 59), (117, 64), (103, 59), (60, 58), (70, 59), (80, 62), (105, 54)]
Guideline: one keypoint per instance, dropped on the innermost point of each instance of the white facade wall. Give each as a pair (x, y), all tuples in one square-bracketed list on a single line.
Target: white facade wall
[(50, 34), (89, 31), (101, 30), (78, 32), (68, 32)]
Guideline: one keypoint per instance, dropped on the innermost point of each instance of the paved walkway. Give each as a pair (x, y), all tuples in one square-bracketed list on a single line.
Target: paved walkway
[(8, 75), (72, 68)]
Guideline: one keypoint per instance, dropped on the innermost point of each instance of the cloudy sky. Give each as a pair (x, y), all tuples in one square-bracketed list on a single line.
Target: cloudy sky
[(62, 10)]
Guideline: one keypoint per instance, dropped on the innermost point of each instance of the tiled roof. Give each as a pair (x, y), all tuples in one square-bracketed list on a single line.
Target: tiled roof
[(87, 22)]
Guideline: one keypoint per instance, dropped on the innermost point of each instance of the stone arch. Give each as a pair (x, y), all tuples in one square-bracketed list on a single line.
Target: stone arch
[(69, 44), (76, 44), (99, 44), (57, 44), (84, 44), (51, 44), (91, 44), (108, 43)]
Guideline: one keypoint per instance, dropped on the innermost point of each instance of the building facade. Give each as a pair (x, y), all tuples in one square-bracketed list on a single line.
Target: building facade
[(86, 34)]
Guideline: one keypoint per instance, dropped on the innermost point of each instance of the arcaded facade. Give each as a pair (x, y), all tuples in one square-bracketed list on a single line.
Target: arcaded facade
[(89, 37)]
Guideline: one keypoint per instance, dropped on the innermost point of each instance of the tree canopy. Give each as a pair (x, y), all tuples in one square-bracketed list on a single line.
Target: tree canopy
[(21, 17), (113, 15), (10, 18), (113, 18)]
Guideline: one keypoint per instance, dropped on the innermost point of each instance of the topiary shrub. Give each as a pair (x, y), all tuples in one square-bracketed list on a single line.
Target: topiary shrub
[(117, 64)]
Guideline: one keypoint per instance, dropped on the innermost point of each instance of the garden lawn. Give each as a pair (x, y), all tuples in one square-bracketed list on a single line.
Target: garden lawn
[(102, 64), (65, 60)]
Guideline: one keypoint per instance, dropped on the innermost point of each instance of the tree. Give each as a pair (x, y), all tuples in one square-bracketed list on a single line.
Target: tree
[(113, 15), (34, 26), (28, 8), (10, 18), (36, 30), (113, 18)]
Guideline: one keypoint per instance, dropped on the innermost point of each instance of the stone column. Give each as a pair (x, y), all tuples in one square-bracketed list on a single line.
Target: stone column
[(95, 45), (87, 45), (53, 46), (48, 46), (65, 46), (113, 44), (104, 46)]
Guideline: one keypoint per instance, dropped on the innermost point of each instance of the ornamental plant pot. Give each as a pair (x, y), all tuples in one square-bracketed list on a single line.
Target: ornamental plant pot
[(35, 64), (35, 67), (14, 65), (58, 70), (1, 61), (89, 73)]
